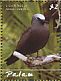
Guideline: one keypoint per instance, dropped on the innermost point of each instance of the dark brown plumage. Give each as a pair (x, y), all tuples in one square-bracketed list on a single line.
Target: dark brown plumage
[(33, 39)]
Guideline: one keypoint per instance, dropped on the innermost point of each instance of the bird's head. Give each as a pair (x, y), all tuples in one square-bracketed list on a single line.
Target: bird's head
[(39, 17)]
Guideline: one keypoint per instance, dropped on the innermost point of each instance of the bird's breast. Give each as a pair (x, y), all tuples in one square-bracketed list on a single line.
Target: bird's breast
[(38, 38), (39, 34)]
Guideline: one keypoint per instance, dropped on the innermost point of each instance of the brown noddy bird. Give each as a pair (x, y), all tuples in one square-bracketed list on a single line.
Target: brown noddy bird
[(33, 39)]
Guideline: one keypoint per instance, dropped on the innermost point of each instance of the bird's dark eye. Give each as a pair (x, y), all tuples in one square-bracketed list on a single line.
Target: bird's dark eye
[(41, 21)]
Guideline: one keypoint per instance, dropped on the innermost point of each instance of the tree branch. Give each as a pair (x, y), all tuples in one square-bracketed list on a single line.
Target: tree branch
[(42, 60)]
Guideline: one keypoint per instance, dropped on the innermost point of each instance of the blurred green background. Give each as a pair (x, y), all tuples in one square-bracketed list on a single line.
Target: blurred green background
[(15, 22)]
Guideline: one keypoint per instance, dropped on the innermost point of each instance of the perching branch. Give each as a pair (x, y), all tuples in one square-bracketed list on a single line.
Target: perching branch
[(42, 60)]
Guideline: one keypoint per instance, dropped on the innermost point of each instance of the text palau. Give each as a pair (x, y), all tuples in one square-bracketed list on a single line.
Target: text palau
[(18, 74)]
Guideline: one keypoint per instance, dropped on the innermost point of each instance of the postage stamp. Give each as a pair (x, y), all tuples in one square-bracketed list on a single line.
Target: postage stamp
[(30, 40)]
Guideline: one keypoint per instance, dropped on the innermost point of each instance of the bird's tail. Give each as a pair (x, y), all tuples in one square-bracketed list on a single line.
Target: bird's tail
[(12, 59)]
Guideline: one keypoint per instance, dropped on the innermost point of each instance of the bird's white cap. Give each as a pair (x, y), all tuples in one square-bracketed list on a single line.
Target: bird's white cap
[(41, 16)]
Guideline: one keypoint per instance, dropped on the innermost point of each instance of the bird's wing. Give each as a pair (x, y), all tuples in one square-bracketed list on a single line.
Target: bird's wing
[(25, 35), (25, 31), (23, 40)]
